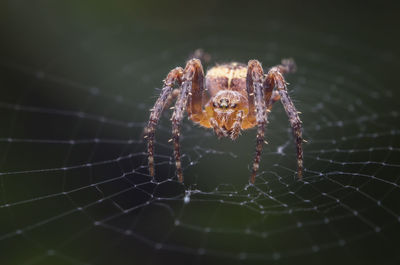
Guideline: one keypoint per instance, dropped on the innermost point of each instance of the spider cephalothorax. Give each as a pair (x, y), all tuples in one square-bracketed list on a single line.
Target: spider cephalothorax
[(230, 98), (227, 108)]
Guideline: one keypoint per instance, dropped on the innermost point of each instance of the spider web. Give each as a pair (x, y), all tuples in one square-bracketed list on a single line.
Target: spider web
[(74, 185)]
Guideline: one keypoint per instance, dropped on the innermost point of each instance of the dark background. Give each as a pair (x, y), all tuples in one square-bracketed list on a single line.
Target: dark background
[(88, 71)]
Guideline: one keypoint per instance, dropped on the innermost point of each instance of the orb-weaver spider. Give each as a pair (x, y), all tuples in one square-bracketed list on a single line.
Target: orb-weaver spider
[(229, 98)]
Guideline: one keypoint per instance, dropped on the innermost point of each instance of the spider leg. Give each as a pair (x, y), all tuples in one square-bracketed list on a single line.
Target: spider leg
[(190, 79), (218, 131), (171, 97), (254, 82), (287, 66), (201, 55), (173, 76), (197, 96), (276, 76), (250, 92), (237, 125), (274, 98)]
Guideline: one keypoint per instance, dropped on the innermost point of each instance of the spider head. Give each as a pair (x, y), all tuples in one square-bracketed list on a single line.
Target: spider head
[(225, 106), (228, 101)]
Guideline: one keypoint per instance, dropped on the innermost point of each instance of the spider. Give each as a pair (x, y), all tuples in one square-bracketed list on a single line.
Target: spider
[(229, 98)]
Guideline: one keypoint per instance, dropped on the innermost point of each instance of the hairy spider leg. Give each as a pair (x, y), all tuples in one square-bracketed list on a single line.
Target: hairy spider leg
[(255, 88), (275, 76), (274, 98), (237, 125), (174, 95), (192, 88), (173, 76), (217, 130), (197, 96)]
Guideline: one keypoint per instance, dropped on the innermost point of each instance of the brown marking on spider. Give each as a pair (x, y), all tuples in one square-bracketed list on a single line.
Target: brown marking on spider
[(229, 98)]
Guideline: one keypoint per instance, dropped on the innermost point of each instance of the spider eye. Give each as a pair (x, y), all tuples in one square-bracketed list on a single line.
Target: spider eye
[(233, 105), (215, 105)]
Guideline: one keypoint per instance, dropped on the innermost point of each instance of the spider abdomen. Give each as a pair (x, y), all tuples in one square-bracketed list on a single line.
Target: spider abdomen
[(230, 76)]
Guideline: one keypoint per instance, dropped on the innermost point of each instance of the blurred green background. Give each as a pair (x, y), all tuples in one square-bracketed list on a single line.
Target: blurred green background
[(78, 78)]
